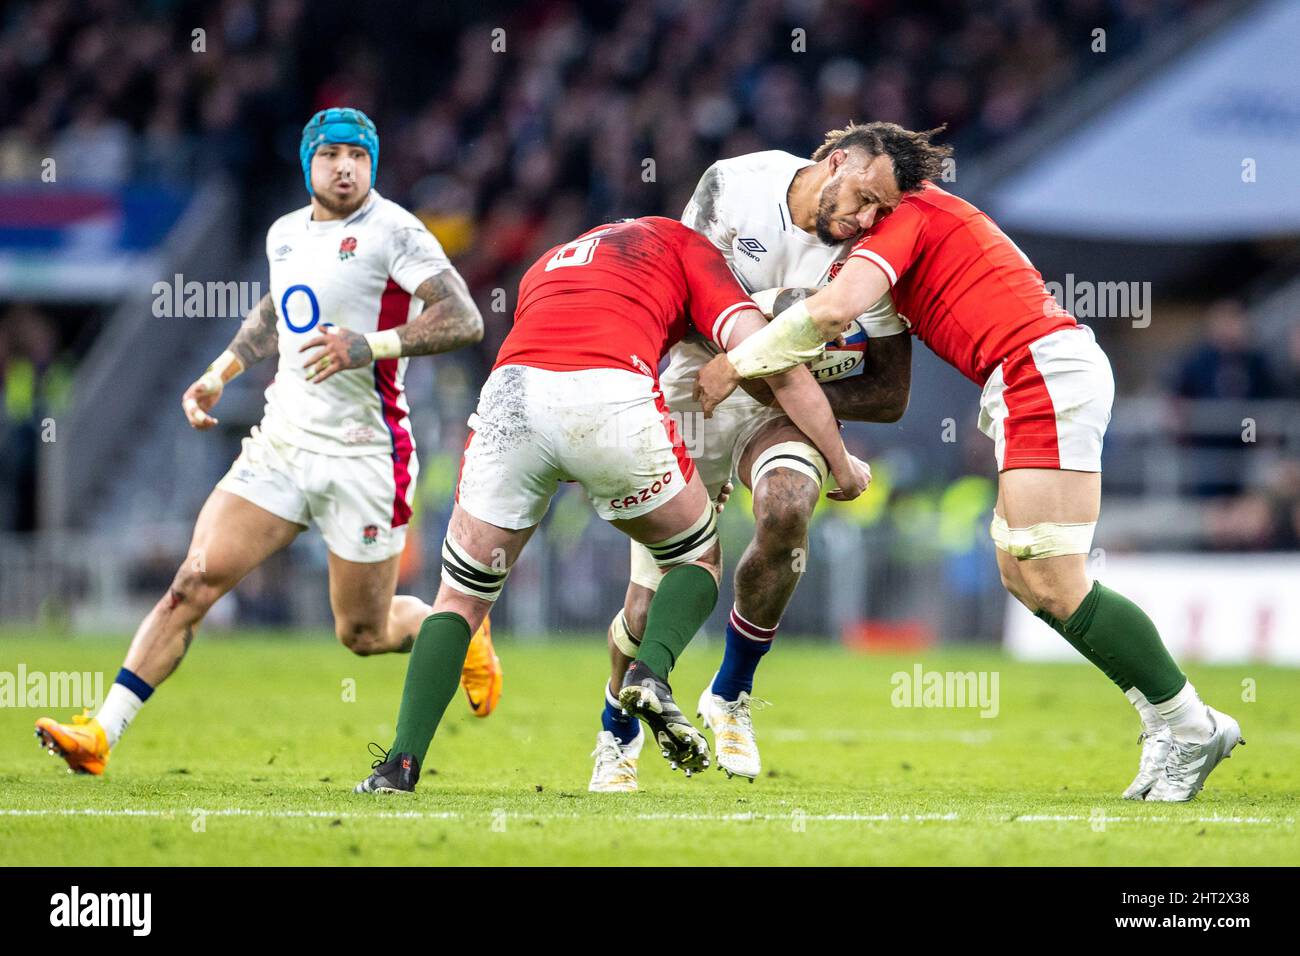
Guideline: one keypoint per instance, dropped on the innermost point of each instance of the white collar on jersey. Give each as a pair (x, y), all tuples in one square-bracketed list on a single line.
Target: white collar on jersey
[(787, 218), (316, 225)]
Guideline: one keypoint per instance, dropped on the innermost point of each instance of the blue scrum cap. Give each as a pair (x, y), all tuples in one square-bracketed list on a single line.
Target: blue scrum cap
[(339, 124)]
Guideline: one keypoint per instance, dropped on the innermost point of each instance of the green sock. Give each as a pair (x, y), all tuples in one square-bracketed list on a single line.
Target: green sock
[(432, 676), (1122, 635), (1056, 624), (682, 604)]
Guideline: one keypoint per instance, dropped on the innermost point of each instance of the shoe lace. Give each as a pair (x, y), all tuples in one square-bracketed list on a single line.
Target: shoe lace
[(607, 752), (1178, 769), (740, 709), (379, 753)]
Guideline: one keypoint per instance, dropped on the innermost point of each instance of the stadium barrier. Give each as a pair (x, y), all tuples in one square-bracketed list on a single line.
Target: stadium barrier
[(1213, 608)]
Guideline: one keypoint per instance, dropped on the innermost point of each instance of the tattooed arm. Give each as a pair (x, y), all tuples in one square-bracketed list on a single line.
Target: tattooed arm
[(450, 320), (255, 340), (879, 394)]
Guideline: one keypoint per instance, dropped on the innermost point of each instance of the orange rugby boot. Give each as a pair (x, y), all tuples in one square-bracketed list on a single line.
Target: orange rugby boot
[(481, 675), (82, 743)]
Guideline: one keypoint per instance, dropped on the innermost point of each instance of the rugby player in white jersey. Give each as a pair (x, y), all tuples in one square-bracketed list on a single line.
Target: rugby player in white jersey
[(358, 284), (779, 220)]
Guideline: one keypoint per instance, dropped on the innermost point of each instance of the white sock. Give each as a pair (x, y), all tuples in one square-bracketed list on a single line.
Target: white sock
[(120, 706), (1152, 722), (1188, 717)]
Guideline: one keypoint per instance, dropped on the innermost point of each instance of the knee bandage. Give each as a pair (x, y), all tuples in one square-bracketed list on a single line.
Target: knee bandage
[(1047, 539), (622, 637), (692, 543), (796, 455), (469, 576)]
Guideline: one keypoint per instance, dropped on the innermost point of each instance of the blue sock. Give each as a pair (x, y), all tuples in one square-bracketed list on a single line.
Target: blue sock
[(134, 684), (621, 725), (746, 645)]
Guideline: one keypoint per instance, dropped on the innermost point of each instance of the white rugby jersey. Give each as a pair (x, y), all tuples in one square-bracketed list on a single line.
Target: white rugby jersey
[(743, 203), (357, 273)]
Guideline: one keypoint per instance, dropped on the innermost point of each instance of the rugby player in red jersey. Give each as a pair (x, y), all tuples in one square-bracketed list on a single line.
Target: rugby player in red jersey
[(574, 396), (972, 296)]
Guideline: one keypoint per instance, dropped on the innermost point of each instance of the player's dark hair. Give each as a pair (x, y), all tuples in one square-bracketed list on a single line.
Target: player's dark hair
[(915, 157)]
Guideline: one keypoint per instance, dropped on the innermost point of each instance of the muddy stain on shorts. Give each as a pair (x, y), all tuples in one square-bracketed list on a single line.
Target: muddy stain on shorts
[(503, 408)]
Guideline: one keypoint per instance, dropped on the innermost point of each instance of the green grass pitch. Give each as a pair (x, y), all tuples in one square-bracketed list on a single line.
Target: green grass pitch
[(248, 756)]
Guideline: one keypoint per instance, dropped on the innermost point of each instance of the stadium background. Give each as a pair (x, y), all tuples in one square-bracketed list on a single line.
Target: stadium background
[(173, 150)]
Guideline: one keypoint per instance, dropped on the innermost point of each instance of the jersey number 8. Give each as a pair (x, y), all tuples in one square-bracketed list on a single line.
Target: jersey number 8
[(576, 253)]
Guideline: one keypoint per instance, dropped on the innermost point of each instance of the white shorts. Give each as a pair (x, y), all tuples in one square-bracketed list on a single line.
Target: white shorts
[(716, 444), (606, 428), (361, 503), (1047, 405)]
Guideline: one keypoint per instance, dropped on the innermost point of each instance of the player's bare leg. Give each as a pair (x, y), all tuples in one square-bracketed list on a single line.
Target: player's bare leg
[(1042, 506), (361, 597), (370, 619), (785, 496), (231, 537), (481, 678)]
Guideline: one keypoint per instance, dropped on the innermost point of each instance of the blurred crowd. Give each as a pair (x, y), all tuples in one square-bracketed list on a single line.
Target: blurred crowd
[(508, 128), (35, 377), (1249, 454), (508, 142)]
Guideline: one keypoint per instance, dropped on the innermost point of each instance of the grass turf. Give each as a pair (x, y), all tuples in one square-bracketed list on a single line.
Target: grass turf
[(248, 756)]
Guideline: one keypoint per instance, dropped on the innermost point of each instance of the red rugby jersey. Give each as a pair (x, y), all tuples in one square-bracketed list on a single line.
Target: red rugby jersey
[(966, 290), (621, 295)]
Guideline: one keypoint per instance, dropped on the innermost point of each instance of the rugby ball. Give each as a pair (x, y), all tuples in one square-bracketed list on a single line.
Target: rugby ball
[(843, 358)]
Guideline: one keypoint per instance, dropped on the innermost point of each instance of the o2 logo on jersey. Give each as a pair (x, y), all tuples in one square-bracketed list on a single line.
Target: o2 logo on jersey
[(311, 298)]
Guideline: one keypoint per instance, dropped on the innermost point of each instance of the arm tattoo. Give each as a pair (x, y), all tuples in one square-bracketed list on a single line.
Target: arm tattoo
[(450, 319), (359, 353), (257, 337), (788, 297), (881, 392)]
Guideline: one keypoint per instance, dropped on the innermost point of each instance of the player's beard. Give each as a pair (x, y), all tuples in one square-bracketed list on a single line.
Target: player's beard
[(342, 207), (826, 212)]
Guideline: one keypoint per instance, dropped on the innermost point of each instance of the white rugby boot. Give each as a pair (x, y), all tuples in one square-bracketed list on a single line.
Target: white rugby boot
[(734, 745), (1155, 752), (615, 770), (1190, 763)]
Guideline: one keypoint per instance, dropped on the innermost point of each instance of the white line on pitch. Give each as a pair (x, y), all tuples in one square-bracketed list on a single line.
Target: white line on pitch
[(697, 817)]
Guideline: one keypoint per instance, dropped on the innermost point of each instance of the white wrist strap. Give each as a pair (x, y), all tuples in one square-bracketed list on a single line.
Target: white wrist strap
[(215, 378), (788, 340), (384, 345)]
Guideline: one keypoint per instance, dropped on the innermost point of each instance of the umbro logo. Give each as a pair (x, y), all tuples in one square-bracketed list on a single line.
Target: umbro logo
[(750, 247), (284, 250)]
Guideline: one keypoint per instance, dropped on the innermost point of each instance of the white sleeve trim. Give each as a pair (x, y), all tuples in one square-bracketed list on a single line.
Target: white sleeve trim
[(726, 319), (879, 260)]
